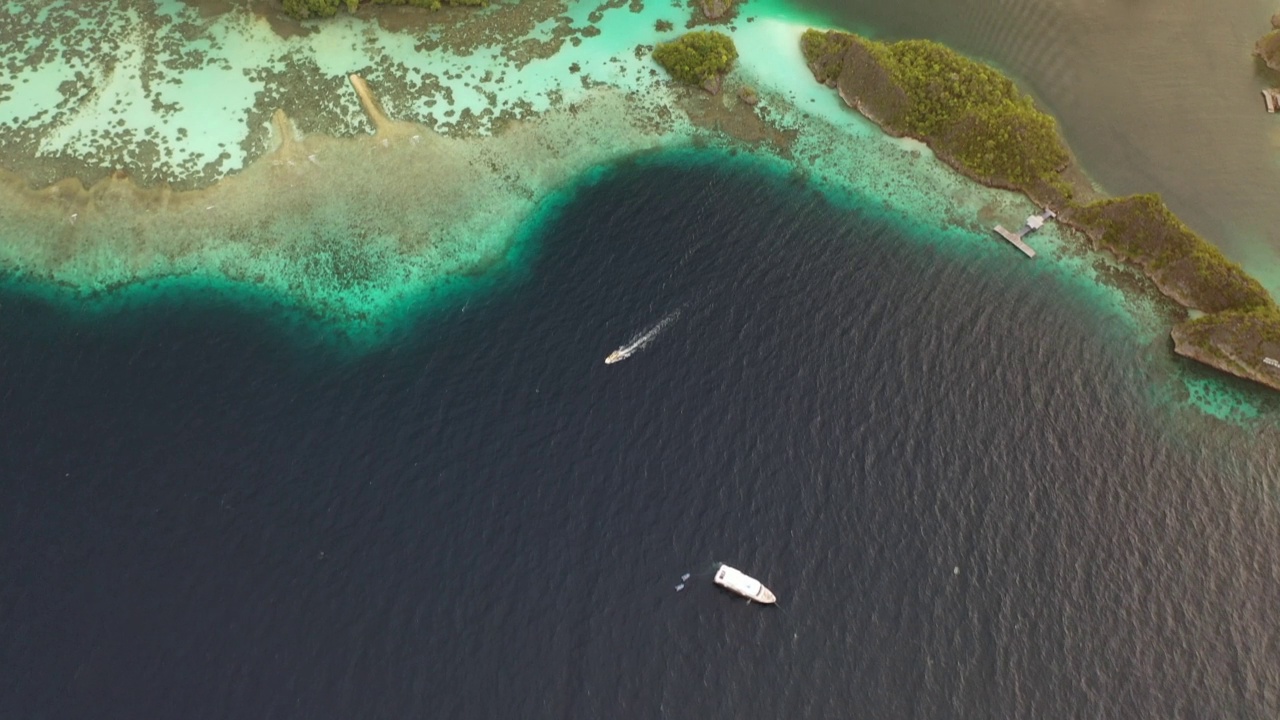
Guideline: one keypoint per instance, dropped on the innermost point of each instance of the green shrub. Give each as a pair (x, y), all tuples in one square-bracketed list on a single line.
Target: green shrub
[(696, 57), (303, 9)]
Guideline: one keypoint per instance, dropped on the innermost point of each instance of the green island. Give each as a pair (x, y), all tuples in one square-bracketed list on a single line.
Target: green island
[(978, 122), (702, 58), (973, 117)]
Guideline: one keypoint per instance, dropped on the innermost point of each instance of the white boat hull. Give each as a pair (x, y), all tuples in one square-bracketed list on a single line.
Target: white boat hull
[(735, 580)]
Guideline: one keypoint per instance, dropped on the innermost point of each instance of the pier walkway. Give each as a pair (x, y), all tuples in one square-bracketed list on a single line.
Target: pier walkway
[(1034, 222), (1016, 239)]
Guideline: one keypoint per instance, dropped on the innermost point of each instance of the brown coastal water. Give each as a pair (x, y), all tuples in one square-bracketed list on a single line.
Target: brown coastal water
[(1152, 96)]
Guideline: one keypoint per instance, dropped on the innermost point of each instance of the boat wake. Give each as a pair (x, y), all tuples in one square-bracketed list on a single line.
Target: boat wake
[(640, 341)]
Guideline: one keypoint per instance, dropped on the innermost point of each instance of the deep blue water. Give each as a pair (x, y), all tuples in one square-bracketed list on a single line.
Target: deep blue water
[(482, 520)]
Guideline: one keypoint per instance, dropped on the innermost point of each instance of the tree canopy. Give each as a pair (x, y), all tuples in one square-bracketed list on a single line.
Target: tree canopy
[(695, 57), (965, 109)]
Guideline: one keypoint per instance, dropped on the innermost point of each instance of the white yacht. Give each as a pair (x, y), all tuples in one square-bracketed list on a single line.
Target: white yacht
[(743, 584)]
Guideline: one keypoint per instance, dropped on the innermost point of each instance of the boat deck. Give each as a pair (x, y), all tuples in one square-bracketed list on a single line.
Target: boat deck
[(748, 587)]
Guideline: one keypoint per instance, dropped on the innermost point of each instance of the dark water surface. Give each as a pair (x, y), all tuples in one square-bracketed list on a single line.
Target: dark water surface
[(485, 521)]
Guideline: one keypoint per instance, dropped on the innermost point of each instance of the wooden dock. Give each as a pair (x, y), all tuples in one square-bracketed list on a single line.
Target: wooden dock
[(1271, 97), (1034, 223), (1016, 239)]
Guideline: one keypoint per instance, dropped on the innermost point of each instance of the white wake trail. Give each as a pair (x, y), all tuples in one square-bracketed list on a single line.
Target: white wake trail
[(643, 339)]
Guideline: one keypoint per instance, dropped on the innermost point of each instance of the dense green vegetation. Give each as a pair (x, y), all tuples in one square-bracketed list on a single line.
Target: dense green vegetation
[(1235, 341), (1243, 322), (1251, 325), (697, 57), (969, 113), (975, 119), (1141, 229), (1268, 48), (302, 9)]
